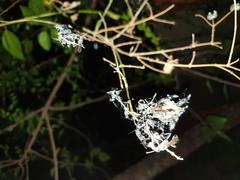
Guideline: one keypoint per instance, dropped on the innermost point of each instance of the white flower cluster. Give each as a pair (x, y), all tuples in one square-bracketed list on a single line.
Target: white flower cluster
[(155, 120), (212, 15), (237, 7), (66, 36)]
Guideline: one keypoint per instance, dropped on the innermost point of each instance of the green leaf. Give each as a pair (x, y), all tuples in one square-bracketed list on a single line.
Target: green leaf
[(155, 40), (141, 26), (94, 152), (44, 40), (53, 33), (98, 24), (99, 154), (148, 32), (103, 157), (213, 127), (224, 136), (216, 122), (113, 15), (26, 11), (12, 44), (37, 6), (166, 79), (126, 17), (88, 163), (209, 86)]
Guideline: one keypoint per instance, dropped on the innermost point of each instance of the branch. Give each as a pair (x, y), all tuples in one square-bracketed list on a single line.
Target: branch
[(44, 116), (207, 76)]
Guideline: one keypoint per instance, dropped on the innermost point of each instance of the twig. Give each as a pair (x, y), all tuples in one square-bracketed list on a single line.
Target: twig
[(20, 121), (53, 146), (150, 67), (207, 76), (234, 33), (73, 164), (133, 19), (129, 25), (43, 117), (8, 8), (77, 131), (203, 44), (79, 105)]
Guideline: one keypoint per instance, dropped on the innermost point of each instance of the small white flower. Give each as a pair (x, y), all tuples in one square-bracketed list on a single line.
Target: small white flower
[(237, 7), (212, 15)]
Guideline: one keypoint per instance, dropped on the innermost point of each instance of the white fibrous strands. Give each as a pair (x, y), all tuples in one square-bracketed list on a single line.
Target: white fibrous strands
[(154, 120), (67, 37)]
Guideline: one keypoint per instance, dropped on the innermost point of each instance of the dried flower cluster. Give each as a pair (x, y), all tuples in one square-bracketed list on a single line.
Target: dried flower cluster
[(212, 15), (233, 7), (154, 120), (66, 36)]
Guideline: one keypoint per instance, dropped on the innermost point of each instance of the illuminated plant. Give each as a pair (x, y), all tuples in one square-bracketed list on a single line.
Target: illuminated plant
[(151, 116)]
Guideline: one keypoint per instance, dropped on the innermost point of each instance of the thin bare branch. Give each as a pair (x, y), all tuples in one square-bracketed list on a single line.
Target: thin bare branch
[(234, 33)]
